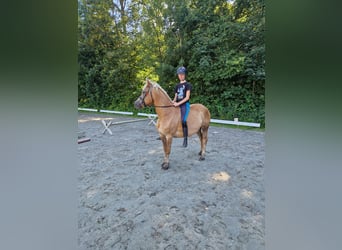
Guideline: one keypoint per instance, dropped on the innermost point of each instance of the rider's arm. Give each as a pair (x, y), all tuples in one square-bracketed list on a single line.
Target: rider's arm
[(187, 97), (175, 98)]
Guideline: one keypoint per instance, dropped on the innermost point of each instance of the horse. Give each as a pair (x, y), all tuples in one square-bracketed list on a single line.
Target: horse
[(169, 119)]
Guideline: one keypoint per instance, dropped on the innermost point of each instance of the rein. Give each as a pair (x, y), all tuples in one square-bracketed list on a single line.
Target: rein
[(165, 106)]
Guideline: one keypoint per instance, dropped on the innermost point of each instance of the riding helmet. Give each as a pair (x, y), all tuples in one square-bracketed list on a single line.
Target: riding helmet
[(181, 70)]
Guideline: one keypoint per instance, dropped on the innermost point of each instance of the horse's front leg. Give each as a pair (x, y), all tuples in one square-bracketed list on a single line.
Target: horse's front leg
[(167, 140)]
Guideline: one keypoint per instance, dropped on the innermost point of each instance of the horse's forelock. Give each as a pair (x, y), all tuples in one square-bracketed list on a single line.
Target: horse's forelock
[(144, 87)]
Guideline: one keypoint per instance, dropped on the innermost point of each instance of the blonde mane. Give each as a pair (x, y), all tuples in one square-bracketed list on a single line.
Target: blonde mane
[(158, 87)]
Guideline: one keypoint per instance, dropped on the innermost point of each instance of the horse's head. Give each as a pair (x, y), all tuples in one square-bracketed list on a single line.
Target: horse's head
[(145, 99)]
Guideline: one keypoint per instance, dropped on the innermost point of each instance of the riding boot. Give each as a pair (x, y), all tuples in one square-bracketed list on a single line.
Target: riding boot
[(185, 134)]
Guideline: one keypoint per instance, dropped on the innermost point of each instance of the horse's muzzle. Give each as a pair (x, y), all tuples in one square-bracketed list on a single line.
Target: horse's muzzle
[(138, 104)]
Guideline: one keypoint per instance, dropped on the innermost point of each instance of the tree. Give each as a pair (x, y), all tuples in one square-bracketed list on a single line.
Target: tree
[(220, 42)]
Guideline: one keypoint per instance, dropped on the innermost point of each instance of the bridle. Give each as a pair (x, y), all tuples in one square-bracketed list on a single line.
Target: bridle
[(142, 98)]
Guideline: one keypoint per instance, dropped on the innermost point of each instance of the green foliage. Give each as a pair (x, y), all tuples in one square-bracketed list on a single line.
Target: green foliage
[(220, 42)]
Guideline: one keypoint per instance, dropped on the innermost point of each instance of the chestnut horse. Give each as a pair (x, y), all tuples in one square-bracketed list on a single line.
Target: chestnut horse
[(169, 118)]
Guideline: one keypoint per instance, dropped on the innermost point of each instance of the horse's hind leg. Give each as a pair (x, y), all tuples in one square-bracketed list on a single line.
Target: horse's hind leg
[(199, 133), (203, 135)]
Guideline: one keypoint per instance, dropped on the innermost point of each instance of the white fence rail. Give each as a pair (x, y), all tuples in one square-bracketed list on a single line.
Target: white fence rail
[(235, 122), (116, 112), (85, 109)]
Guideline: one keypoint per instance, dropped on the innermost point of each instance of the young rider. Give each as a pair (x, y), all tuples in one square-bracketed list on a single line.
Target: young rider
[(181, 99)]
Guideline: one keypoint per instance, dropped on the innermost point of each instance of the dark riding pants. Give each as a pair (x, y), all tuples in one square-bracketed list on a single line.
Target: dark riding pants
[(185, 109)]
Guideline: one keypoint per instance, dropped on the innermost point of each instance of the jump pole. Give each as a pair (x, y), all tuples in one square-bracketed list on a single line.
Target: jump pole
[(106, 125), (79, 141)]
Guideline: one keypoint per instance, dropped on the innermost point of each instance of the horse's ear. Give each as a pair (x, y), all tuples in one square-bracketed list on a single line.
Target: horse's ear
[(148, 81)]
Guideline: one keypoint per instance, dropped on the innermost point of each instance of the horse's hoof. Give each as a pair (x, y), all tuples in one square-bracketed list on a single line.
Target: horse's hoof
[(165, 165), (202, 158)]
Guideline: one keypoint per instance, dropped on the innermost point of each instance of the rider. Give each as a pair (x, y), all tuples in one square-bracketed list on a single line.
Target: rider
[(181, 99)]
